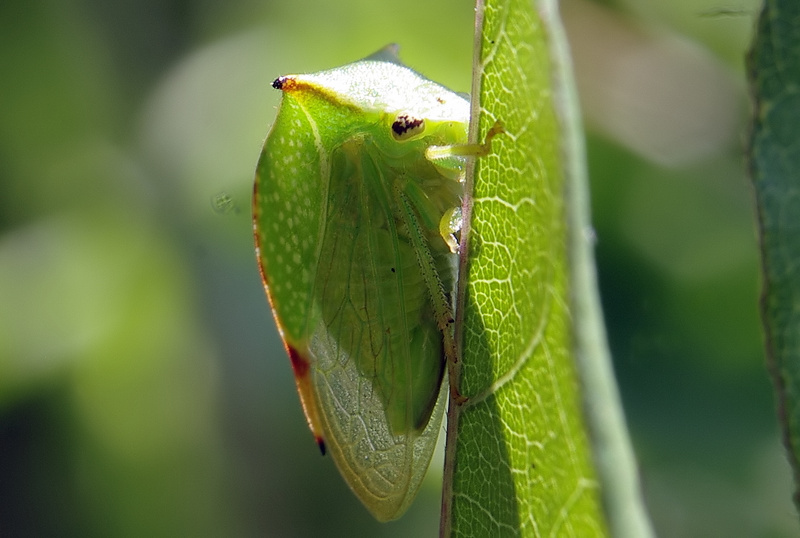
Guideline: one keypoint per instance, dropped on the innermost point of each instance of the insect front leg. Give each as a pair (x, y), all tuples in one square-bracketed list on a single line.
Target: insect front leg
[(450, 161), (445, 156)]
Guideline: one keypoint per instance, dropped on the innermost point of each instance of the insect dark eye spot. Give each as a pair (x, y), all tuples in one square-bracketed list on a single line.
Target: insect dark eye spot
[(278, 83), (405, 127)]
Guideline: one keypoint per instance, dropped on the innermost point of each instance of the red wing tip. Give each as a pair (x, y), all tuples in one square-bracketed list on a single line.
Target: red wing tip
[(321, 444), (300, 364)]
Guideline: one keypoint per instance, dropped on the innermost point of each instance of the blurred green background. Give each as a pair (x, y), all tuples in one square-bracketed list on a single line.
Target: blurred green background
[(143, 388)]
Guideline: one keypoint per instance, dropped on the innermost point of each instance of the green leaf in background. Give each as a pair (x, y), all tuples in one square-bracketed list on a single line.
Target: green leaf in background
[(774, 152), (521, 464)]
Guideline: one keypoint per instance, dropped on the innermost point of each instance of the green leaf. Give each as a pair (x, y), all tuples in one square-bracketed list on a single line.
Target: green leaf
[(774, 153), (518, 458)]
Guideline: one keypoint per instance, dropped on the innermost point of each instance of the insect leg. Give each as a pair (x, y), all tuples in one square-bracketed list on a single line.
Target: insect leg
[(443, 312), (437, 154)]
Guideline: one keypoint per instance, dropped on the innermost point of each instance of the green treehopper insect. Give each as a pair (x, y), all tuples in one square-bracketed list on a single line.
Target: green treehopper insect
[(357, 196)]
